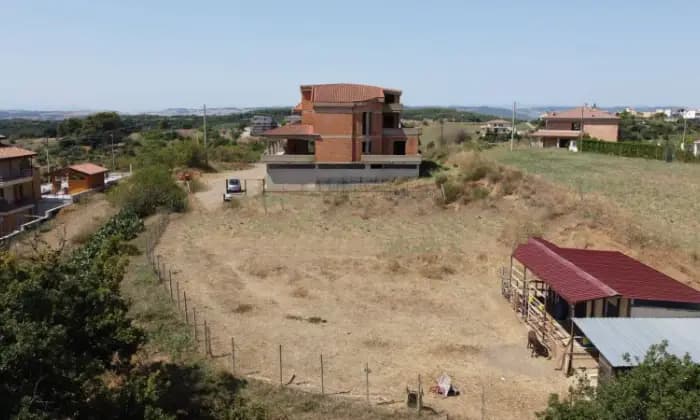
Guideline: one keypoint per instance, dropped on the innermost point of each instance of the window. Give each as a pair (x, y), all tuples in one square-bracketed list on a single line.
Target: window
[(366, 147), (366, 123), (576, 125)]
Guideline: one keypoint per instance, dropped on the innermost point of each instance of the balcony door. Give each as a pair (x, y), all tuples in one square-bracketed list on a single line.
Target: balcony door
[(400, 147)]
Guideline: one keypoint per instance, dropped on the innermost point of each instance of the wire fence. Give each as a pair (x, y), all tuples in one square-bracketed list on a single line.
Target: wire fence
[(287, 364)]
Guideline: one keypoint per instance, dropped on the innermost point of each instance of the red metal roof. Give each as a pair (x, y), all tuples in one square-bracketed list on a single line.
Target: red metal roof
[(579, 274), (88, 168), (576, 114), (344, 92), (12, 152), (291, 130)]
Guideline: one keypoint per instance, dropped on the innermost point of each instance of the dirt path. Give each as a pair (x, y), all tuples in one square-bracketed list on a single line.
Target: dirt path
[(371, 279)]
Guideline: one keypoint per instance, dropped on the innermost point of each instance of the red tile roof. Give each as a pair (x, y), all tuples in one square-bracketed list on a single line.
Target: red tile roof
[(88, 168), (12, 152), (344, 92), (575, 114), (293, 129), (579, 275)]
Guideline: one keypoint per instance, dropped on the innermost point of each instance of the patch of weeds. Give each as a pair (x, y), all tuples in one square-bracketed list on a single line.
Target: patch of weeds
[(243, 308), (300, 292)]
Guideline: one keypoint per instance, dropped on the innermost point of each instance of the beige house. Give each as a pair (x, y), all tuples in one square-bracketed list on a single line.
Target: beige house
[(19, 188), (562, 128)]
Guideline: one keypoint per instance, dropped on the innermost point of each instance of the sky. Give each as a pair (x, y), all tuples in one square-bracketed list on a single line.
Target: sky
[(144, 55)]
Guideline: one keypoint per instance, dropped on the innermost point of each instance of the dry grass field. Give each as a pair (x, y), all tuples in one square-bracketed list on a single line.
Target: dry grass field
[(661, 198), (388, 279)]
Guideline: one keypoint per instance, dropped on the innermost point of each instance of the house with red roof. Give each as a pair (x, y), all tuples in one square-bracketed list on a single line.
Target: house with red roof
[(20, 188), (79, 178), (347, 133), (549, 286), (563, 128)]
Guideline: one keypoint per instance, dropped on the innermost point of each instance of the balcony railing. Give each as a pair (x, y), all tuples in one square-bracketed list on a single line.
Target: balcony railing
[(408, 159), (284, 158), (401, 132), (19, 174), (6, 207), (393, 107)]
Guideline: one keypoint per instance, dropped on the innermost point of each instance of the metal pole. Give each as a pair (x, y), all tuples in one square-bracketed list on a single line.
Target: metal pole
[(206, 152), (114, 165), (512, 129)]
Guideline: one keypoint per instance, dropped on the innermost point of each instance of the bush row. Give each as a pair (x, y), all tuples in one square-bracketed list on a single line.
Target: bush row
[(638, 150)]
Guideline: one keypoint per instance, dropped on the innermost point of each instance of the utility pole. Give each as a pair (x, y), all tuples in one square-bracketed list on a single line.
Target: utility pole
[(685, 130), (206, 151), (512, 129), (114, 166), (48, 165)]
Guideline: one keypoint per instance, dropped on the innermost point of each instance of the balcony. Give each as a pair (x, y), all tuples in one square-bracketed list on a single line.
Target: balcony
[(392, 107), (401, 132), (285, 158), (6, 207), (16, 177), (407, 159)]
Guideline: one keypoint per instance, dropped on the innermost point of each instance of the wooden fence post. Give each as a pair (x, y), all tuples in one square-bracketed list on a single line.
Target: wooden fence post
[(419, 400), (170, 280), (323, 392), (233, 356), (184, 296), (367, 381), (280, 364), (206, 337), (177, 287), (194, 323)]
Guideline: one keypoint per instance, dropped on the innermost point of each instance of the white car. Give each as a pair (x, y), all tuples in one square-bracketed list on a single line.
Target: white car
[(233, 187)]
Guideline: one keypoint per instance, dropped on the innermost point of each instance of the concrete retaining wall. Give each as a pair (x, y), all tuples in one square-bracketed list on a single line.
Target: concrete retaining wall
[(286, 174)]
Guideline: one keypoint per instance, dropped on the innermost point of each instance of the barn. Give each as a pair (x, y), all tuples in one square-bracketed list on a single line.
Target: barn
[(549, 286)]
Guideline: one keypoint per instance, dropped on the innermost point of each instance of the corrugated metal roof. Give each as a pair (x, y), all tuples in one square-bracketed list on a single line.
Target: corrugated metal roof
[(580, 274), (568, 280), (576, 113), (613, 337)]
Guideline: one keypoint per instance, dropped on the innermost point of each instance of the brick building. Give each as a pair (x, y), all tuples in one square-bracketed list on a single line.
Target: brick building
[(561, 127), (19, 188), (347, 133)]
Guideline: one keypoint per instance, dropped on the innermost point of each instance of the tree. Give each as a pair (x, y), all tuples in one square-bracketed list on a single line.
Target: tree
[(662, 386), (70, 126)]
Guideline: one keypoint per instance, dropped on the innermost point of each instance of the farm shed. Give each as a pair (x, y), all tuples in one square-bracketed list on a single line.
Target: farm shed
[(79, 178), (611, 338), (549, 286)]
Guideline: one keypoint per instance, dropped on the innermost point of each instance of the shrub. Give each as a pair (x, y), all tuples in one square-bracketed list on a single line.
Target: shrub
[(149, 189)]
